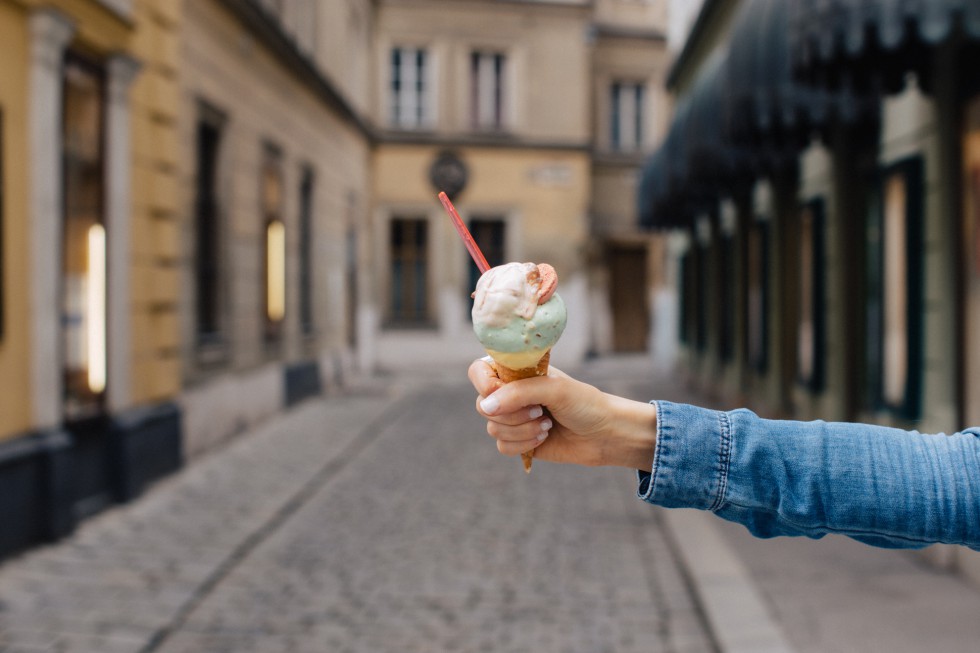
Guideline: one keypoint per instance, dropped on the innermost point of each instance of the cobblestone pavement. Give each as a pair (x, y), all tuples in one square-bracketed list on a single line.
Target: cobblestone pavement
[(365, 523)]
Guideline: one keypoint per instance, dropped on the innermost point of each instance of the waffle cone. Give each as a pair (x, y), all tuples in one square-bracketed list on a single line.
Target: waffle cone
[(507, 375)]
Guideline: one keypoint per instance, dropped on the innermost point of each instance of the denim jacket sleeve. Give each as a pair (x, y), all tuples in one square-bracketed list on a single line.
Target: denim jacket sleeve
[(879, 485)]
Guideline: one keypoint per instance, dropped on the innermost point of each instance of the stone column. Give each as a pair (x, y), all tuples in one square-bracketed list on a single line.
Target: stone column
[(122, 70), (51, 32)]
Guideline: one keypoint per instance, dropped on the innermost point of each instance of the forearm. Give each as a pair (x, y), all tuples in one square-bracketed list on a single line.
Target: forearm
[(880, 485), (631, 434)]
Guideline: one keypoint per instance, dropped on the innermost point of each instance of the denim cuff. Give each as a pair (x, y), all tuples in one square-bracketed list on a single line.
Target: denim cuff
[(691, 458)]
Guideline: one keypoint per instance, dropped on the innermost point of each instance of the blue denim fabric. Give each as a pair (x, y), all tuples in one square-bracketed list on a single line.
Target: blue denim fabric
[(879, 485)]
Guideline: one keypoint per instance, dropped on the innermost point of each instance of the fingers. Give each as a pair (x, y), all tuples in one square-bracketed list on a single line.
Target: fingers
[(483, 378), (524, 414), (536, 430), (514, 440)]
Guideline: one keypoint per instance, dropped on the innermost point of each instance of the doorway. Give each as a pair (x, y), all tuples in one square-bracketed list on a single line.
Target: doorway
[(629, 296)]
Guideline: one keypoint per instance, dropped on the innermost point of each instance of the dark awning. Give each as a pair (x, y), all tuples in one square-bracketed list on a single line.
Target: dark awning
[(769, 111), (695, 159), (859, 41)]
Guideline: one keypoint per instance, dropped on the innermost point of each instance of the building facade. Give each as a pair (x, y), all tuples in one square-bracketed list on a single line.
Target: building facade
[(87, 288), (274, 196), (535, 128), (211, 210), (825, 245)]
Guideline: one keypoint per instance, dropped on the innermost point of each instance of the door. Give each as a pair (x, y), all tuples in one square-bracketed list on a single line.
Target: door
[(629, 294)]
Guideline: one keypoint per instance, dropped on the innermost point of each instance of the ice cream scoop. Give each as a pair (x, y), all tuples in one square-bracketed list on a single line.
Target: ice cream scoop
[(518, 317)]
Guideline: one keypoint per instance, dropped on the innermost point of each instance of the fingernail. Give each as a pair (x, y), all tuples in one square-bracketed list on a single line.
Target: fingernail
[(490, 405), (546, 425), (536, 412), (543, 437)]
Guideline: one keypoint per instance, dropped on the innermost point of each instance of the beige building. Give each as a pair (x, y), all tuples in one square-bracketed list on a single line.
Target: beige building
[(537, 113), (274, 195)]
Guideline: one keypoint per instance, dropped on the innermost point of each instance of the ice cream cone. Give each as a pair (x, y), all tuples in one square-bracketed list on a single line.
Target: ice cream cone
[(507, 375)]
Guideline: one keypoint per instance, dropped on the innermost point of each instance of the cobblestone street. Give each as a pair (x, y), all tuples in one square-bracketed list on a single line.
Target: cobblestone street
[(376, 521)]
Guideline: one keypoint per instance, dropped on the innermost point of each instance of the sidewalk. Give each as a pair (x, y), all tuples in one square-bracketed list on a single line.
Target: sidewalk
[(809, 596)]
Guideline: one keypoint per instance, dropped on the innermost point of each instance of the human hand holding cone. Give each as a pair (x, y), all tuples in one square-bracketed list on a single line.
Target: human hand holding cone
[(517, 315)]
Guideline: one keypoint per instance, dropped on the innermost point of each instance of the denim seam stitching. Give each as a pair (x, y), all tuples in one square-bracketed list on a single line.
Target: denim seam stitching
[(658, 450), (724, 460), (825, 529)]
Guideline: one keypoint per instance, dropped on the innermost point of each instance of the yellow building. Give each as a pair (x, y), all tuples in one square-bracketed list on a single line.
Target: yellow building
[(87, 350), (533, 117)]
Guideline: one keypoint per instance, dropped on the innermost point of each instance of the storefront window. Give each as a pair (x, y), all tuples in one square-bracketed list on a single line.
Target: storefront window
[(971, 258), (895, 290), (757, 297), (306, 250), (726, 282), (809, 340), (275, 244), (84, 261), (208, 227)]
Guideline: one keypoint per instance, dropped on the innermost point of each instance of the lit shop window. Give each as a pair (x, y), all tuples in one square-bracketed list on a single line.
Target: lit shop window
[(488, 77), (409, 304), (83, 309), (275, 245), (895, 290), (411, 95), (626, 116), (809, 332)]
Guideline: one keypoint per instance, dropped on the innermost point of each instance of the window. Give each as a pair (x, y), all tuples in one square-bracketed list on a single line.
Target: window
[(626, 116), (489, 233), (895, 290), (208, 230), (1, 229), (757, 297), (686, 299), (83, 317), (274, 277), (726, 282), (409, 272), (411, 104), (810, 331), (488, 72), (306, 250)]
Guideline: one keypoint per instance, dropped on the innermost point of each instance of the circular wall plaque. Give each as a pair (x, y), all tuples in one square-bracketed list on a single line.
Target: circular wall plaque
[(449, 174)]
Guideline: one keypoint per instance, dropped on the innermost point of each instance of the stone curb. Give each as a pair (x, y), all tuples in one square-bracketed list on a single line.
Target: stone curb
[(732, 605)]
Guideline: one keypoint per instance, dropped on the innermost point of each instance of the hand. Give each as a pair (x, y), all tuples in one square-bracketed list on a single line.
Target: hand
[(587, 426)]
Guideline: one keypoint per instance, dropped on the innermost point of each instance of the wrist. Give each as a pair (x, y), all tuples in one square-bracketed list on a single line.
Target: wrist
[(632, 434)]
